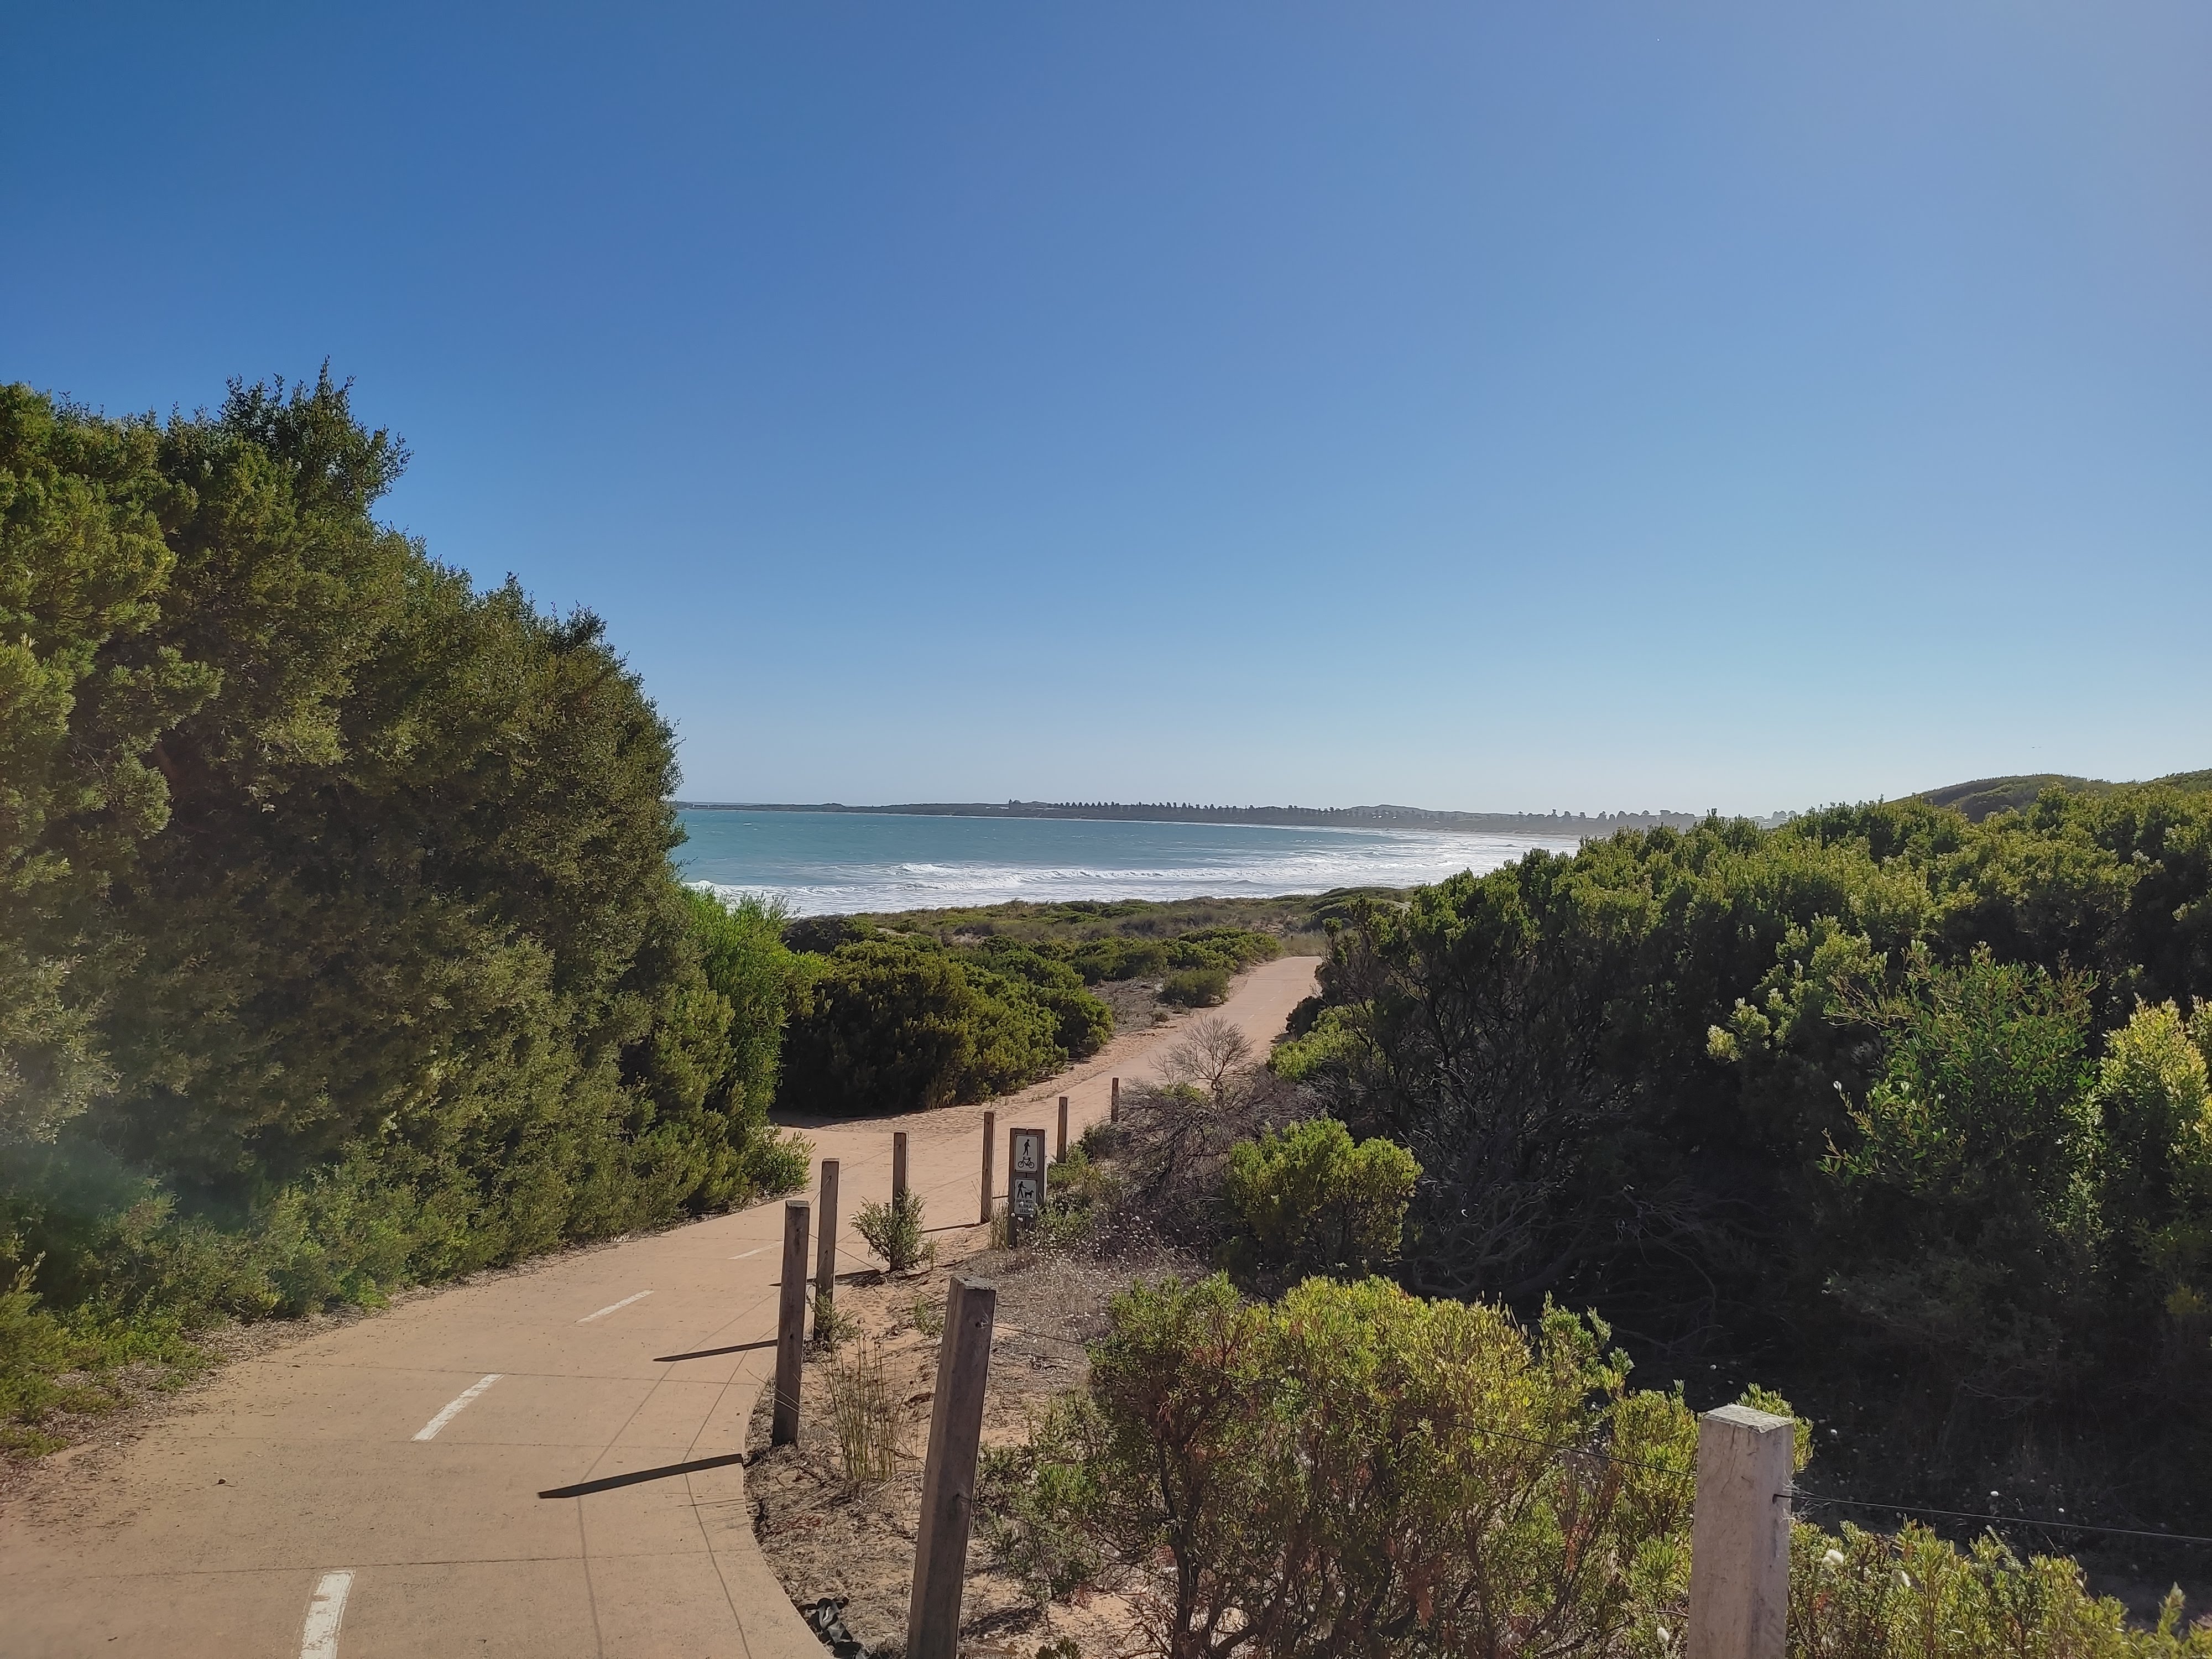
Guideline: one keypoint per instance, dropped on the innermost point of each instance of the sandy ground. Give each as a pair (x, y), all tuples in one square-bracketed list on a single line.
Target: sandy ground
[(541, 1462), (827, 1538)]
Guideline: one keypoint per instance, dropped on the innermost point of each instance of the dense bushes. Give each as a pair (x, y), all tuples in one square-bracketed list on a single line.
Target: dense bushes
[(1308, 1200), (1898, 1108), (1222, 951), (1354, 1470), (886, 1025), (889, 1022), (338, 942), (1196, 988), (1911, 1596)]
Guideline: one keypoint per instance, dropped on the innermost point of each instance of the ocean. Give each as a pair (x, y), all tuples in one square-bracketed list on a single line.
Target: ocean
[(831, 863)]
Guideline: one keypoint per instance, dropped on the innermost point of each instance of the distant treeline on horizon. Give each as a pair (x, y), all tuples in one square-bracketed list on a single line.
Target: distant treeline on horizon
[(1397, 817)]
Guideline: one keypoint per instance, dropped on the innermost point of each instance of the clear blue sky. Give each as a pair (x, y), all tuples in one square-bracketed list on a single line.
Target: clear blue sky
[(1505, 405)]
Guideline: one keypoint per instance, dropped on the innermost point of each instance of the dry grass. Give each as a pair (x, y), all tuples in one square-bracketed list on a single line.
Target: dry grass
[(827, 1532), (865, 1416)]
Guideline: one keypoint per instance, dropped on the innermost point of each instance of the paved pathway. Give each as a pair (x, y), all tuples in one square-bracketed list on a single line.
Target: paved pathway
[(399, 1486)]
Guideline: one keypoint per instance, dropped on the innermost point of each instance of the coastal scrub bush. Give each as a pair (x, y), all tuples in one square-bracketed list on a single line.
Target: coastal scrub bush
[(1913, 1596), (1356, 1470), (1084, 1022), (1329, 1044), (1196, 988), (1902, 1101), (889, 1024), (892, 1025), (1308, 1199), (892, 1229), (1119, 956)]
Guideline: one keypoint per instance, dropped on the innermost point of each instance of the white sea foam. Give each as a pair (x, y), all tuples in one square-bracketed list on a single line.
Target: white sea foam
[(1308, 862)]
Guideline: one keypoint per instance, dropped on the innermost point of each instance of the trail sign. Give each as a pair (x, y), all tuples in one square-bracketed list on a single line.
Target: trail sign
[(1025, 1191)]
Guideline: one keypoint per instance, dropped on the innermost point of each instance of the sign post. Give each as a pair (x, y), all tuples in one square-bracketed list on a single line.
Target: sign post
[(1025, 1178)]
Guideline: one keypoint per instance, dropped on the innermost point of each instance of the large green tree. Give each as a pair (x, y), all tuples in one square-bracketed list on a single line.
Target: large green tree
[(339, 905)]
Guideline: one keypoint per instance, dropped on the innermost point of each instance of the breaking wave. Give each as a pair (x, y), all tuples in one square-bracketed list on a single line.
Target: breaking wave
[(822, 864)]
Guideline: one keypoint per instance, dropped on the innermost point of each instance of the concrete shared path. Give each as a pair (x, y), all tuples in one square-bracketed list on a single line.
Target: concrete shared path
[(544, 1463)]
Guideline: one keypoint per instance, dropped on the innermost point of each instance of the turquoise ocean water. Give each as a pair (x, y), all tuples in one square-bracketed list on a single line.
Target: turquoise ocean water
[(825, 863)]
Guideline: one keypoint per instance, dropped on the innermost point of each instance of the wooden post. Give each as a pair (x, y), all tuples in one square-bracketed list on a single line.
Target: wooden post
[(825, 1257), (1062, 1152), (948, 1479), (1114, 1103), (898, 1167), (791, 1322), (1739, 1537), (990, 1132)]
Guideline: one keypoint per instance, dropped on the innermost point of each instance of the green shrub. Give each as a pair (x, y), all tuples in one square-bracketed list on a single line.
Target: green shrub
[(1196, 988), (38, 1348), (1329, 1044), (1036, 1501), (1896, 1097), (1079, 1191), (893, 1232), (892, 1025), (1084, 1022), (1866, 1595), (1355, 1469), (1308, 1200), (1119, 957)]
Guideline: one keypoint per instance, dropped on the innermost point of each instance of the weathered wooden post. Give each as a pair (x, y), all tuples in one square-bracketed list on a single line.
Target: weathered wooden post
[(1062, 1149), (898, 1168), (1740, 1538), (948, 1479), (990, 1133), (825, 1257), (1114, 1103), (790, 1323)]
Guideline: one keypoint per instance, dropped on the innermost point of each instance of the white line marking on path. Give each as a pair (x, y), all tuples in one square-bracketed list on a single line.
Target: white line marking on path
[(318, 1637), (612, 1306), (429, 1430), (748, 1255)]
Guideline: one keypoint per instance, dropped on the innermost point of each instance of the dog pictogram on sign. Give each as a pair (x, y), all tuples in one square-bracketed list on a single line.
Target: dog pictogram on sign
[(1025, 1193)]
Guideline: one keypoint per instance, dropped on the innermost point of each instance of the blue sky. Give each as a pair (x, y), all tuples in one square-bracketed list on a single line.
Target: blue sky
[(1493, 406)]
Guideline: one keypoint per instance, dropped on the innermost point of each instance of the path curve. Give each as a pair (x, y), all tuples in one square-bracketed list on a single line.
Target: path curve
[(379, 1488)]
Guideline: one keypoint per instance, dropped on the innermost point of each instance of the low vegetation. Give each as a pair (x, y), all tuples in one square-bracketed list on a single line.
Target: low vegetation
[(1298, 924), (892, 1229), (1309, 1198), (1351, 1467), (889, 1020), (1355, 1469)]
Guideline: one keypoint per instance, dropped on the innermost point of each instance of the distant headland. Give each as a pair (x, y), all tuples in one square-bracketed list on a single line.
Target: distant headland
[(1327, 817)]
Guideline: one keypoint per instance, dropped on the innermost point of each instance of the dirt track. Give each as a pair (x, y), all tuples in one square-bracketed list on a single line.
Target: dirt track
[(233, 1526)]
